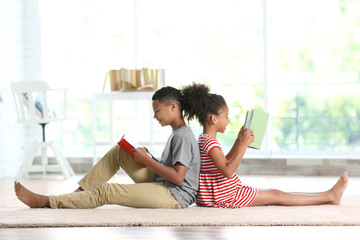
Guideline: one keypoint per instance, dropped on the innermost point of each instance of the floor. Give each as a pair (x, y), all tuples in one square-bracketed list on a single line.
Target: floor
[(167, 233), (56, 185)]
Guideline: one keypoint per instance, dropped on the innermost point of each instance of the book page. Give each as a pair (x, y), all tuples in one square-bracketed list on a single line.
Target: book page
[(131, 140), (248, 118), (133, 143)]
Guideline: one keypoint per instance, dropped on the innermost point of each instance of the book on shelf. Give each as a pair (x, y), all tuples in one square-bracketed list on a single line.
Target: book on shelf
[(256, 120), (127, 143), (144, 79)]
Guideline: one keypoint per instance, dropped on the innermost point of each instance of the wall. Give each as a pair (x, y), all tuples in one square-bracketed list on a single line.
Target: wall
[(299, 167), (269, 167), (20, 59)]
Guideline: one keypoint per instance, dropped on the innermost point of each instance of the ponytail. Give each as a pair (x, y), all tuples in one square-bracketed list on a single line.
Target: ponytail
[(198, 102)]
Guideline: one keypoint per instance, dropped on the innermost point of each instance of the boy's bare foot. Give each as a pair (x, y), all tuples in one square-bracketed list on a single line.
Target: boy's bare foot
[(31, 199), (338, 189), (79, 189)]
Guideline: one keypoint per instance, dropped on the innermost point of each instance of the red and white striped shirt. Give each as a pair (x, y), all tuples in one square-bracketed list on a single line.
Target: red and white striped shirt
[(215, 190)]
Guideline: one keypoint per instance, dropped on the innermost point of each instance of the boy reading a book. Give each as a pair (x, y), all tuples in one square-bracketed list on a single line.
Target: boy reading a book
[(170, 183)]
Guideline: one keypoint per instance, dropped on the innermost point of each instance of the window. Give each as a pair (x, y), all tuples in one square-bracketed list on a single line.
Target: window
[(296, 59), (313, 78)]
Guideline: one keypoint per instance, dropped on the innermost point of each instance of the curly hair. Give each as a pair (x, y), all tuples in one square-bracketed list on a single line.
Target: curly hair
[(198, 102)]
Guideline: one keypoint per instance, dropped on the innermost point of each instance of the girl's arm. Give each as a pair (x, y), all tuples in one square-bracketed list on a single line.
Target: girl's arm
[(234, 148), (175, 174), (227, 167)]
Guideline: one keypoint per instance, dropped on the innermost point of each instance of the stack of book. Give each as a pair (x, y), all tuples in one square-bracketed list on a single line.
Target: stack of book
[(144, 79)]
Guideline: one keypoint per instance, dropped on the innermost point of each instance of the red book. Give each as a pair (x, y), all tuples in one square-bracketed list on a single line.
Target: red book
[(127, 143)]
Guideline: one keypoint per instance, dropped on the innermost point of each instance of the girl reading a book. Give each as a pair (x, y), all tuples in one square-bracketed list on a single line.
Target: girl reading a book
[(220, 186), (171, 182)]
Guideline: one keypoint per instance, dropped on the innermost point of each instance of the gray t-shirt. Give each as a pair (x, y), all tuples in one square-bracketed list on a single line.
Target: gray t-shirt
[(182, 147)]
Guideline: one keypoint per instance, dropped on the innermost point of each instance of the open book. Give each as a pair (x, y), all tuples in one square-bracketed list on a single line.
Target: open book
[(257, 120), (127, 143)]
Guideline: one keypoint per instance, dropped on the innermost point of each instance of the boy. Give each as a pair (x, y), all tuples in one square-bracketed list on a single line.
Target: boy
[(170, 183)]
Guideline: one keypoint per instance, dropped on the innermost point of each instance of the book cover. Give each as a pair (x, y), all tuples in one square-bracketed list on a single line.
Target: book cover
[(257, 120), (127, 144)]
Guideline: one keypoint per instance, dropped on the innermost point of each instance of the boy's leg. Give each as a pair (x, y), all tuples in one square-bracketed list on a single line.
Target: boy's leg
[(139, 195), (110, 164)]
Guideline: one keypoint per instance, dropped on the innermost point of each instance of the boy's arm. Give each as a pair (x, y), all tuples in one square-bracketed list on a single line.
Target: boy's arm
[(175, 174)]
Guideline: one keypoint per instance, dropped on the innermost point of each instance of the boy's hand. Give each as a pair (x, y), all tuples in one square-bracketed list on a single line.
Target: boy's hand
[(140, 155), (248, 137)]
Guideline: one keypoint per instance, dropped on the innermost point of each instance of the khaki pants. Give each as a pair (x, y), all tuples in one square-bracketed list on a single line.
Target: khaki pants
[(144, 193)]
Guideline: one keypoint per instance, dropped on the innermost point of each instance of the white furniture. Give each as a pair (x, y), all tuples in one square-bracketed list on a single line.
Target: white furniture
[(32, 101), (141, 120)]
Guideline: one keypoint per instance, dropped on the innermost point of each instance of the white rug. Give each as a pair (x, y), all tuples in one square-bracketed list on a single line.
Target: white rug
[(347, 214), (14, 214)]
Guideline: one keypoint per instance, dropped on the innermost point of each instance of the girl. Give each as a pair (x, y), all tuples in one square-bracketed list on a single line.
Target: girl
[(219, 184)]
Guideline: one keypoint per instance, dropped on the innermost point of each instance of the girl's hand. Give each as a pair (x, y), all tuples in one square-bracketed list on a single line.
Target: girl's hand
[(248, 137), (241, 132)]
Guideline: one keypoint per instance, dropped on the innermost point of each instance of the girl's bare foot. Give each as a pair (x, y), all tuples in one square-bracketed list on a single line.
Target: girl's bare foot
[(31, 199), (338, 189)]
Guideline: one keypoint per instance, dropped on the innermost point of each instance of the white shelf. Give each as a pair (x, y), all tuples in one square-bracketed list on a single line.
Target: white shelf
[(110, 98)]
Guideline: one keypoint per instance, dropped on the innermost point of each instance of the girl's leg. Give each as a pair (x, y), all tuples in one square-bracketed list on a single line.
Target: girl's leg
[(310, 193), (110, 164), (277, 197)]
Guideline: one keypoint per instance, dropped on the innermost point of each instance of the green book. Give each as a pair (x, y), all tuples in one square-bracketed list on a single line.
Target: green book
[(257, 120)]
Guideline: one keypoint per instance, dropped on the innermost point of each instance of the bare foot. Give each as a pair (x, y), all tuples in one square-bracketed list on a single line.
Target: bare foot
[(31, 199), (338, 189), (79, 189)]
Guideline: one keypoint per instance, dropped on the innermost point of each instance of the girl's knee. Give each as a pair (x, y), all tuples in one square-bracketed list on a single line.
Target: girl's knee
[(268, 197), (277, 193)]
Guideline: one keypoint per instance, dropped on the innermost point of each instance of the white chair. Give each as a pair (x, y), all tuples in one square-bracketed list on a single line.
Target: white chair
[(32, 101)]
